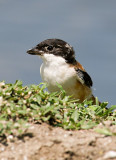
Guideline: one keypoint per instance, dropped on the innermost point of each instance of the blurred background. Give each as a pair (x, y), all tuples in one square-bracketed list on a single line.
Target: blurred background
[(88, 25)]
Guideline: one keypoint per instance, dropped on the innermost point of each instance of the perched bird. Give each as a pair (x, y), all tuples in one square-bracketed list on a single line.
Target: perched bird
[(60, 66)]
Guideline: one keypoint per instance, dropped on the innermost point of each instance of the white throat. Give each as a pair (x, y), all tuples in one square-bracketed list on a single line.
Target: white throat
[(50, 59)]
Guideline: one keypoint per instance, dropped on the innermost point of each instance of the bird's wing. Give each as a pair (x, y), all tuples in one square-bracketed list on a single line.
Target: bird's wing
[(82, 75)]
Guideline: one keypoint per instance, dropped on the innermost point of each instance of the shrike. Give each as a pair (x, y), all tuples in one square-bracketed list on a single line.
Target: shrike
[(60, 66)]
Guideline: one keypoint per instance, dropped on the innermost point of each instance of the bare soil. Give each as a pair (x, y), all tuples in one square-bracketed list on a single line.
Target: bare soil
[(44, 142)]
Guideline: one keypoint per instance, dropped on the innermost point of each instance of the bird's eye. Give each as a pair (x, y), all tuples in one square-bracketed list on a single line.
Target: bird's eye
[(50, 48)]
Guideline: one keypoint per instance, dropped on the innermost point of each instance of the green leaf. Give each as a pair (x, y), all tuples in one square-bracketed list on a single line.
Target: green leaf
[(88, 125), (104, 131), (75, 115), (1, 126), (113, 107), (61, 88)]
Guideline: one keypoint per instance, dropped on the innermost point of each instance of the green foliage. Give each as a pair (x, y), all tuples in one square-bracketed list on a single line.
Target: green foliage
[(22, 105)]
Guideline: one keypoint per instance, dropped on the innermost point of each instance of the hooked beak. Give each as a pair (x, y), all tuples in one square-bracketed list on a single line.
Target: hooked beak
[(34, 51)]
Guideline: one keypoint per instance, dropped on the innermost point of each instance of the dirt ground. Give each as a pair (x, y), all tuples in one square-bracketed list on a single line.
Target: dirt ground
[(44, 142)]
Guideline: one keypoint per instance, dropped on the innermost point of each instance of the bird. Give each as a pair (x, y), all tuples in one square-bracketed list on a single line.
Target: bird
[(61, 67)]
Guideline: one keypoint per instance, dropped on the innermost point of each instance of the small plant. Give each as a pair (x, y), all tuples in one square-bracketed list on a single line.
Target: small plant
[(22, 105)]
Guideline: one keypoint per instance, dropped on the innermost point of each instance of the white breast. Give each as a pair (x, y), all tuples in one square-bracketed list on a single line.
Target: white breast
[(55, 70)]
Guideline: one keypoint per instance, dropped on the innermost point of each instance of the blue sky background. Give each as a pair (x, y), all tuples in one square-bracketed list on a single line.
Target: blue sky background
[(88, 25)]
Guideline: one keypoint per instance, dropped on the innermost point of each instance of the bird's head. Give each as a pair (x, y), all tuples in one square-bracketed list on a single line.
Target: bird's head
[(55, 47)]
